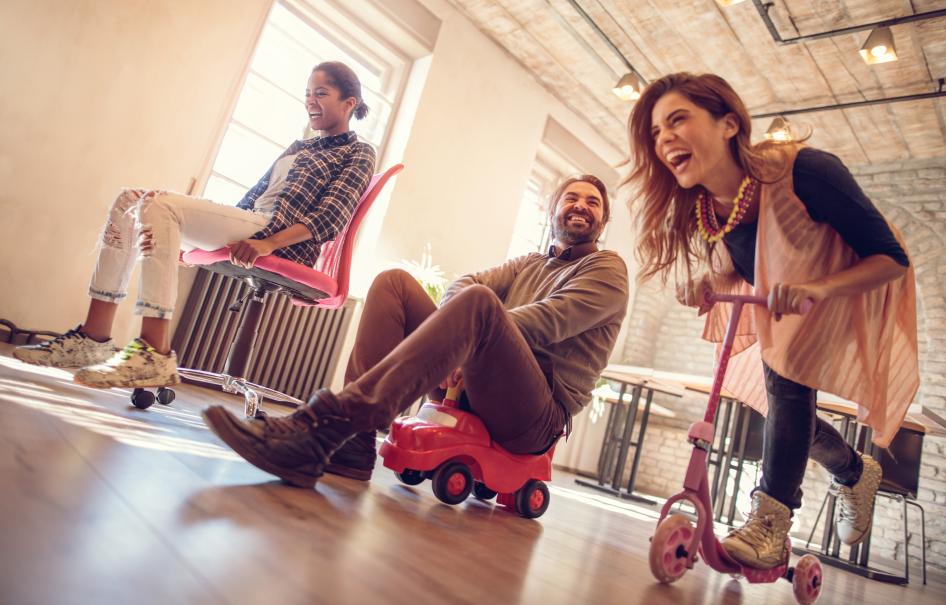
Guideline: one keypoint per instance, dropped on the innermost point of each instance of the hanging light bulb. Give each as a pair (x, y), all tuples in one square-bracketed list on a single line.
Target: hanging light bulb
[(879, 48), (779, 130), (629, 87)]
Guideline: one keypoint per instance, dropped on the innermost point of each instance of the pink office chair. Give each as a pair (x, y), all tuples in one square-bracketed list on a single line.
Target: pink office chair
[(325, 285)]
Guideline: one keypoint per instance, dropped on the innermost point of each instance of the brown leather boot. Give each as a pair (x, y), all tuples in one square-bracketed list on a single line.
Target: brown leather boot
[(295, 448), (355, 459)]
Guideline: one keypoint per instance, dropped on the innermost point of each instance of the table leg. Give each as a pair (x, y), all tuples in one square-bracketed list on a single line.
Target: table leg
[(728, 403), (719, 503), (629, 421), (638, 446), (745, 413), (605, 458), (725, 457)]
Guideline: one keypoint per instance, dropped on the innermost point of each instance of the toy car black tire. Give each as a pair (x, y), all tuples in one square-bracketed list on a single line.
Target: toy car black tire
[(410, 477), (481, 492), (532, 499), (452, 482)]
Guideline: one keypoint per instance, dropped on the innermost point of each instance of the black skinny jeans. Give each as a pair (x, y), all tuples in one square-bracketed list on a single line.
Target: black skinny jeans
[(793, 432)]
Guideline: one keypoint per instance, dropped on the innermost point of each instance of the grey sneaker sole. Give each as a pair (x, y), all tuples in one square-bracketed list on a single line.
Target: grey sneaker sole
[(225, 426), (46, 363)]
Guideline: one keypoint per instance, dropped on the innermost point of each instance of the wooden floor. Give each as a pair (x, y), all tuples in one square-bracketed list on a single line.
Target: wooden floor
[(104, 503)]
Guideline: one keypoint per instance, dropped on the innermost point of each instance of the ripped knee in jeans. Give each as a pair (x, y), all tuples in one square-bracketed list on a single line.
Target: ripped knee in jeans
[(120, 216), (145, 240), (145, 232)]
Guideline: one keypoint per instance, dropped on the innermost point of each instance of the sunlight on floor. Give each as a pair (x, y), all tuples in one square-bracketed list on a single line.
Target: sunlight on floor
[(608, 503), (101, 420)]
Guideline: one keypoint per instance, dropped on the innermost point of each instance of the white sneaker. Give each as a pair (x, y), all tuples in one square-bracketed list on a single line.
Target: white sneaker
[(137, 365), (70, 350), (856, 503)]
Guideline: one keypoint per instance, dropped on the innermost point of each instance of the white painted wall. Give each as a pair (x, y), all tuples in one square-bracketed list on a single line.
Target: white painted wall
[(99, 94), (111, 94), (479, 121)]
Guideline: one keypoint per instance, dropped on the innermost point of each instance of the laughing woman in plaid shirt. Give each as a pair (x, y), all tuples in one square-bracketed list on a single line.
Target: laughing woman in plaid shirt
[(303, 200)]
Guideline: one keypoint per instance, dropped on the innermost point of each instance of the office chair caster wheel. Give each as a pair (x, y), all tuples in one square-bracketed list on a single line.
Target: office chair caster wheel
[(668, 548), (165, 396), (142, 399), (532, 499), (807, 579)]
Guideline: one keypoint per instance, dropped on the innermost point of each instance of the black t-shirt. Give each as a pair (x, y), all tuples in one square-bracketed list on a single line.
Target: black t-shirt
[(831, 195)]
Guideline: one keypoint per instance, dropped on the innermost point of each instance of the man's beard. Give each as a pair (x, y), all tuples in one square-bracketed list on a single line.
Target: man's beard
[(562, 233)]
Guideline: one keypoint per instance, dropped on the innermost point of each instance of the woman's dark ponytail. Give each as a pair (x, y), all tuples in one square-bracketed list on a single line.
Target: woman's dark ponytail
[(344, 79)]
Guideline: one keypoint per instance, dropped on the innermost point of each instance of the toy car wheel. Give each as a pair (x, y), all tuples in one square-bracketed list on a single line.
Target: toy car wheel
[(668, 548), (481, 492), (165, 396), (807, 579), (532, 499), (410, 477), (452, 482), (142, 399)]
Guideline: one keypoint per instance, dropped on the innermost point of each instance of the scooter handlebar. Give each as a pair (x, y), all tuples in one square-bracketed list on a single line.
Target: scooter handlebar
[(715, 297)]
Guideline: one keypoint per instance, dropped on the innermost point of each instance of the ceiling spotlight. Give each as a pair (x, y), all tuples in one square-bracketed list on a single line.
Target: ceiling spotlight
[(779, 130), (879, 47), (629, 87), (725, 3)]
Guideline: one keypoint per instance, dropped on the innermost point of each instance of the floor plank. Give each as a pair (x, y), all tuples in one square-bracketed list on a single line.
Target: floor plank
[(104, 503)]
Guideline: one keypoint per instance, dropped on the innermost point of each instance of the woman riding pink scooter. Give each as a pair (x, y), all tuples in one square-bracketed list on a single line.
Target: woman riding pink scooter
[(788, 222)]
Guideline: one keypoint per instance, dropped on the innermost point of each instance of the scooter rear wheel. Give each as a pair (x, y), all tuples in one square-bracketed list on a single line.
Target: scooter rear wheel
[(668, 548), (807, 579)]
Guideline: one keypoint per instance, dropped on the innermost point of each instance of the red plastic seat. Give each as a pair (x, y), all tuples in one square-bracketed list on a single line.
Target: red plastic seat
[(325, 285)]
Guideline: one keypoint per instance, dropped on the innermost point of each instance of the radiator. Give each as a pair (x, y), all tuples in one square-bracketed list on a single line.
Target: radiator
[(296, 349)]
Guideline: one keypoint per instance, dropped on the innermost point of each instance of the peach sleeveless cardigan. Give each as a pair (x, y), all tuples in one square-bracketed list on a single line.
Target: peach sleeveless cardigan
[(861, 347)]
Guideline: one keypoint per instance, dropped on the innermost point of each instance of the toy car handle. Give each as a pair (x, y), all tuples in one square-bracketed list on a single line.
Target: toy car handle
[(715, 297), (452, 396)]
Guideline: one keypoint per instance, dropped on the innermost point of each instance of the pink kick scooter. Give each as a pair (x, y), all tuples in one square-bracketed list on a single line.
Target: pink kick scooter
[(675, 544)]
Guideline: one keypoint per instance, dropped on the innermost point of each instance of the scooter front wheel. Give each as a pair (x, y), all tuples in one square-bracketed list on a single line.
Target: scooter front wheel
[(668, 548), (807, 579)]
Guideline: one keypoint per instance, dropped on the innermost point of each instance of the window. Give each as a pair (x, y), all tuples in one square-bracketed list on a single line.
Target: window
[(532, 228), (560, 155), (270, 111)]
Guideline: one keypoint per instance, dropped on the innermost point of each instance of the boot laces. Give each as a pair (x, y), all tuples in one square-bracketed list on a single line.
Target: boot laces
[(133, 348), (758, 528), (298, 422), (849, 502)]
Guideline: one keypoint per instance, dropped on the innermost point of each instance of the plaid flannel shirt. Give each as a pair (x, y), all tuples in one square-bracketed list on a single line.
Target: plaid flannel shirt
[(322, 189)]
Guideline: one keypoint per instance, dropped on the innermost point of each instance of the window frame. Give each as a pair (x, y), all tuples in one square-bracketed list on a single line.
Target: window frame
[(370, 49)]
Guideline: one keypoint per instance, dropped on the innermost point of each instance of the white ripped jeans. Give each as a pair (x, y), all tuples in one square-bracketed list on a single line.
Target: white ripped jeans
[(176, 222)]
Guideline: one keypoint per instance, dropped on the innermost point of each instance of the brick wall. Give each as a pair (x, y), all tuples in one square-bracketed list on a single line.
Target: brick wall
[(665, 336)]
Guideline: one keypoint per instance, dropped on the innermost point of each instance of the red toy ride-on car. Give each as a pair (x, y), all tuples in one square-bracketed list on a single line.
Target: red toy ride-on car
[(453, 449)]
